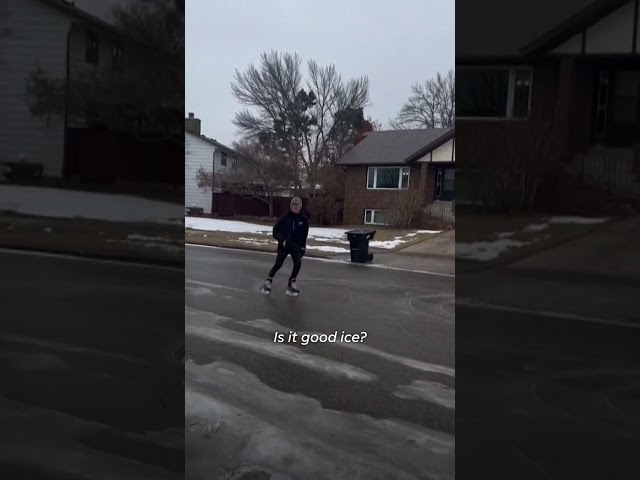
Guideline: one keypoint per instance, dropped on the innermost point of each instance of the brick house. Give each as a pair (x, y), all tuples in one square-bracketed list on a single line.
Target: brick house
[(390, 161), (570, 72)]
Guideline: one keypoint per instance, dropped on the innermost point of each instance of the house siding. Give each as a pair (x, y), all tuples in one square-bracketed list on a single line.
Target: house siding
[(199, 153), (29, 45), (444, 153), (358, 198), (33, 44)]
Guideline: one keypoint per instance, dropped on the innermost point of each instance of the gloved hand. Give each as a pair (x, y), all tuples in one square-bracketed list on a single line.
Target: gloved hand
[(303, 250)]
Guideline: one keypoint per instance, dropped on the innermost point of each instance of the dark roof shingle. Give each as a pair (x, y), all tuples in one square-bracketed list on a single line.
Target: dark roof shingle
[(501, 28), (394, 146)]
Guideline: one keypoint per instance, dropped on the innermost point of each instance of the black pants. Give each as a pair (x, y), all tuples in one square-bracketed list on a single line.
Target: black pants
[(296, 256)]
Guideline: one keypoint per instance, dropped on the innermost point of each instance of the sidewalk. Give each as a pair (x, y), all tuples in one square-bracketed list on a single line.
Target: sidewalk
[(442, 245), (611, 252), (435, 255), (593, 278)]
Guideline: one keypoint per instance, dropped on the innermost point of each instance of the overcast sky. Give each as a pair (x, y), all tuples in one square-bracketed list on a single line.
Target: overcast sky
[(394, 44)]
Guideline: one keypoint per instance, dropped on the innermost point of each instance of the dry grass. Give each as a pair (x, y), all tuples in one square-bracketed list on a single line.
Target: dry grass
[(94, 238), (265, 242)]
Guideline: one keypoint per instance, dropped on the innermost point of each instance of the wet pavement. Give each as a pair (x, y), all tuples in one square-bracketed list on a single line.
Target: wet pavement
[(91, 369), (548, 386), (382, 407)]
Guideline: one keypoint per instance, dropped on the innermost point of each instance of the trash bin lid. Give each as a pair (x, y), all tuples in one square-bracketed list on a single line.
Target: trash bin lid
[(360, 232)]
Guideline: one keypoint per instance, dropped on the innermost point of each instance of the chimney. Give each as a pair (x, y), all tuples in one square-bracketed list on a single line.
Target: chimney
[(362, 132), (192, 124)]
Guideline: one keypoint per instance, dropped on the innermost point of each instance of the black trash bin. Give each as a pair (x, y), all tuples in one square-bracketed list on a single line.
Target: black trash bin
[(359, 245)]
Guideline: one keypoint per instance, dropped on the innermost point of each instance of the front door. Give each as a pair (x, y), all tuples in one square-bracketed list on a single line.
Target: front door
[(622, 125), (445, 184)]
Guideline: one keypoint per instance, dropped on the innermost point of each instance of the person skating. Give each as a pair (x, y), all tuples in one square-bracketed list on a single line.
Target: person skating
[(291, 232)]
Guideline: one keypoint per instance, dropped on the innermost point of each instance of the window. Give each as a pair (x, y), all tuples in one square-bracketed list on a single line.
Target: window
[(388, 178), (116, 55), (93, 48), (223, 160), (498, 92), (234, 161), (375, 217), (445, 184)]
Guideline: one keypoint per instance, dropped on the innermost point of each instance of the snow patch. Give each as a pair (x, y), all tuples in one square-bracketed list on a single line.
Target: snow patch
[(270, 326), (564, 220), (295, 436), (61, 203), (217, 333), (487, 250), (326, 248), (535, 227), (218, 225), (431, 392), (318, 234)]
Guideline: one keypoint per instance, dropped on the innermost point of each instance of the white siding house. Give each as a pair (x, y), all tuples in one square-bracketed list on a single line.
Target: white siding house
[(207, 154), (198, 154), (27, 46), (53, 35)]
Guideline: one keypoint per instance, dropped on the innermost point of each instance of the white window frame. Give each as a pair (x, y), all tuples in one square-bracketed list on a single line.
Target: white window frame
[(117, 54), (511, 90), (375, 177), (373, 216)]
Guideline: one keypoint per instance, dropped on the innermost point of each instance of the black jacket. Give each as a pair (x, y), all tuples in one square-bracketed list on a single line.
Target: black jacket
[(292, 228)]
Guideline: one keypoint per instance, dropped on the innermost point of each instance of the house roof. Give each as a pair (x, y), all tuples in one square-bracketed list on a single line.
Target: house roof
[(507, 29), (573, 25), (87, 18), (213, 142), (70, 8), (395, 146)]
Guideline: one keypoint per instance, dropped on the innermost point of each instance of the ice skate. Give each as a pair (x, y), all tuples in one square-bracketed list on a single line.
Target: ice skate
[(292, 289)]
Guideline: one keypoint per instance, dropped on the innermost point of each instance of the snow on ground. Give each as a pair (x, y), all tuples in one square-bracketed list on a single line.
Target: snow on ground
[(61, 203), (159, 243), (430, 392), (318, 234), (327, 248), (488, 250), (217, 225), (564, 220), (577, 220)]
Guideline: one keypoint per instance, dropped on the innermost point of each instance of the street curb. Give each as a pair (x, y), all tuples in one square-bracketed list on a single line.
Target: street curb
[(469, 265), (423, 255), (576, 277), (99, 256), (248, 249)]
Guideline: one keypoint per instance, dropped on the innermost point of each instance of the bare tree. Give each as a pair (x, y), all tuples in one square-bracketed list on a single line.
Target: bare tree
[(431, 104), (508, 175), (403, 208), (307, 124), (126, 99)]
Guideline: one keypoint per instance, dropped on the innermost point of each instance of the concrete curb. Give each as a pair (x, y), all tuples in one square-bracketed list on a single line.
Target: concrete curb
[(248, 248), (171, 263)]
